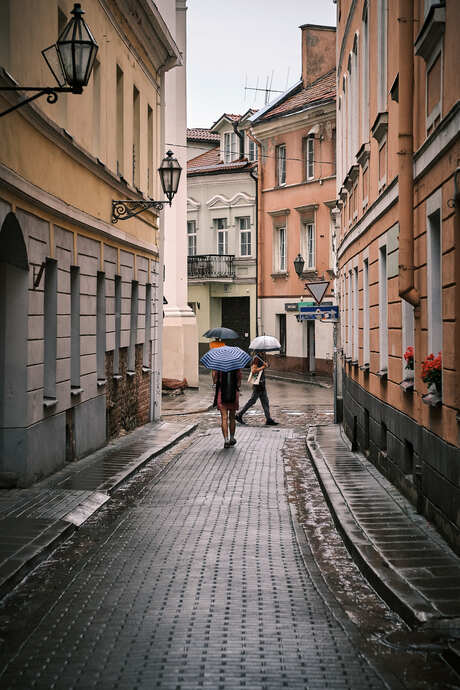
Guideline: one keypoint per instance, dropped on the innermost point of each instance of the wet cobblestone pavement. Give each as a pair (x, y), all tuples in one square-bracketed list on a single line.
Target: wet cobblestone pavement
[(196, 575)]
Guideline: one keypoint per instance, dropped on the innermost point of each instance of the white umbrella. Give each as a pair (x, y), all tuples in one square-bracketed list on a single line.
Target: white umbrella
[(265, 343)]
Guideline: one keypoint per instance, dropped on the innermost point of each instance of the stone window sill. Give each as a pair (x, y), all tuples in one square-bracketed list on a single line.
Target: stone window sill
[(433, 399), (75, 390), (146, 370), (49, 403), (407, 385), (101, 383), (365, 368), (383, 374), (117, 377), (130, 374), (280, 274)]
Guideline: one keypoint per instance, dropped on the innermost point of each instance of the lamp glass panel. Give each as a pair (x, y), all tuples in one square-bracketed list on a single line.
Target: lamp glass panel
[(51, 58)]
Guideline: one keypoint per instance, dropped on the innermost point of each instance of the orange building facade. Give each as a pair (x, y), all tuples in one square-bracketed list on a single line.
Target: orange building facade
[(296, 197), (398, 123)]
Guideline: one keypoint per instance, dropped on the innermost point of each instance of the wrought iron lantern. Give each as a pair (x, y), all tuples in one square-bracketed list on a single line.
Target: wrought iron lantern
[(299, 263), (70, 61), (169, 172)]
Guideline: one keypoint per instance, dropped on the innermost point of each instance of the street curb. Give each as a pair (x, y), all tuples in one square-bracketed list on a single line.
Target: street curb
[(182, 413), (396, 591), (276, 377)]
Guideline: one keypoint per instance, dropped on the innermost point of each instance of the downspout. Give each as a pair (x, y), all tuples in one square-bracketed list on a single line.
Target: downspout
[(240, 135), (259, 213), (407, 290)]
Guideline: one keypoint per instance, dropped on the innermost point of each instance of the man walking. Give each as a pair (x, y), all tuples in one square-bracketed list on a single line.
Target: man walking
[(258, 392)]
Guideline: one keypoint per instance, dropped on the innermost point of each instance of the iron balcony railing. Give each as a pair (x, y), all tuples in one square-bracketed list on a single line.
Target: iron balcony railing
[(208, 266)]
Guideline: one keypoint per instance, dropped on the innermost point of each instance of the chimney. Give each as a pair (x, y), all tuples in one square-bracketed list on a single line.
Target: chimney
[(318, 51)]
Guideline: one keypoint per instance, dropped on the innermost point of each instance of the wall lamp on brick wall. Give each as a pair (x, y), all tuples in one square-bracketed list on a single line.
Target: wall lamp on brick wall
[(70, 61), (169, 172)]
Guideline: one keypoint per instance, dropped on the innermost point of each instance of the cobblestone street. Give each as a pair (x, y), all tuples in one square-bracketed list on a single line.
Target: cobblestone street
[(197, 576)]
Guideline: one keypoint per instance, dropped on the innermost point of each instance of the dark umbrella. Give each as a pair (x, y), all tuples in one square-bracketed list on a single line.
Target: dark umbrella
[(222, 333)]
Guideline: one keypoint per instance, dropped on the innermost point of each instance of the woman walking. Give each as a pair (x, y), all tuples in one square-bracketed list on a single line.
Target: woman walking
[(227, 401), (258, 391)]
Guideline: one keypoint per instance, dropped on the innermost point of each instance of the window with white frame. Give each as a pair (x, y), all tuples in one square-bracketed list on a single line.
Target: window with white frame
[(408, 336), (366, 320), (227, 147), (309, 153), (244, 224), (355, 315), (433, 90), (220, 225), (365, 185), (382, 163), (280, 250), (191, 237), (309, 246), (281, 164), (350, 316), (383, 309), (434, 274), (355, 99), (252, 150), (382, 10)]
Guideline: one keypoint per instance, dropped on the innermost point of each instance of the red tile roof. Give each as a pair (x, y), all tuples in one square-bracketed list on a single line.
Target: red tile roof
[(210, 162), (323, 88), (201, 134)]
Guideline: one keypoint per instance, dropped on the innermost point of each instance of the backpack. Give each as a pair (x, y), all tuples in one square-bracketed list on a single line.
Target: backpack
[(228, 386)]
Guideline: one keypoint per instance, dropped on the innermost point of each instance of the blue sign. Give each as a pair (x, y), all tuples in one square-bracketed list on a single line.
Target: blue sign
[(318, 312)]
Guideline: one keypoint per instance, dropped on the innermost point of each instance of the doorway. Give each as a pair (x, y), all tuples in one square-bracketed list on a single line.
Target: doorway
[(235, 314)]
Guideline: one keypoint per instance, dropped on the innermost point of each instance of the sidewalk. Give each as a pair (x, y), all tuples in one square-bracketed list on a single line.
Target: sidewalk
[(400, 553), (33, 521)]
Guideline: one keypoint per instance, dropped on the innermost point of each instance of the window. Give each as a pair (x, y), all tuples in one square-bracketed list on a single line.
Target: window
[(434, 273), (433, 91), (382, 55), (281, 164), (383, 310), (365, 77), (133, 327), (407, 335), (50, 330), (120, 122), (150, 150), (220, 225), (136, 138), (75, 327), (191, 236), (365, 181), (382, 163), (355, 315), (281, 249), (252, 150), (245, 236), (309, 157), (309, 248), (100, 326), (230, 147), (366, 322)]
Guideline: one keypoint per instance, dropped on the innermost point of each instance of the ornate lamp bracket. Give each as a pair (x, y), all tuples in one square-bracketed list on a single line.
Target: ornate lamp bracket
[(124, 209)]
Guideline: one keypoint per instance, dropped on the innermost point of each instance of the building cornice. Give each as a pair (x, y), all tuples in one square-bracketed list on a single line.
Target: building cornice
[(380, 206), (57, 207), (289, 122)]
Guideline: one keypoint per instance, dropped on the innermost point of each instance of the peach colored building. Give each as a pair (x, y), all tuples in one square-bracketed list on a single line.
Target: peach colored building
[(398, 122), (296, 197)]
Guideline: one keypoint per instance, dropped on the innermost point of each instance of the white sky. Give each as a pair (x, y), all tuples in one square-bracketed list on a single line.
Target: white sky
[(229, 39)]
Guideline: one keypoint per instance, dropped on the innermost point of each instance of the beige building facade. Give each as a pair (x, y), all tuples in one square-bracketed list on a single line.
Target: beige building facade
[(80, 296), (398, 151)]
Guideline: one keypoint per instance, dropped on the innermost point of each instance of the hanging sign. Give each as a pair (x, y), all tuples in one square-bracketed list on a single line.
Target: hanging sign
[(318, 289)]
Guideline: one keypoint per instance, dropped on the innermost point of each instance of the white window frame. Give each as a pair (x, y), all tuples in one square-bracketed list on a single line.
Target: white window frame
[(366, 313), (191, 237), (382, 58), (382, 180), (310, 158), (227, 147), (221, 227), (281, 249), (365, 76), (309, 245), (244, 223), (434, 272), (383, 308), (281, 164), (408, 335), (437, 109), (252, 150), (355, 353)]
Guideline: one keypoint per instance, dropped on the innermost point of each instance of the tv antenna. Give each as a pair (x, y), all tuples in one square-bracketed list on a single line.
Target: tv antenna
[(267, 90)]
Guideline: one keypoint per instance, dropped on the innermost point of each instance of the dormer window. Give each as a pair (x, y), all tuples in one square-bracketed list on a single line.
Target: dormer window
[(252, 150), (230, 147)]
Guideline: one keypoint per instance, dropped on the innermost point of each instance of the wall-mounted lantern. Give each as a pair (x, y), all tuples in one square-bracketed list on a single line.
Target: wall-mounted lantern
[(70, 60), (169, 172), (299, 263)]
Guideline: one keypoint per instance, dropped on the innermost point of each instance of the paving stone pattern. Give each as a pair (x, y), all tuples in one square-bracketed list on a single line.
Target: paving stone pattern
[(202, 585)]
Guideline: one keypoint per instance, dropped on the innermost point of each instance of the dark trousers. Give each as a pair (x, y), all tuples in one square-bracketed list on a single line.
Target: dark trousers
[(258, 392)]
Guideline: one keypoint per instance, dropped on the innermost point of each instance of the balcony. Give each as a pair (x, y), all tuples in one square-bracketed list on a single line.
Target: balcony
[(211, 267)]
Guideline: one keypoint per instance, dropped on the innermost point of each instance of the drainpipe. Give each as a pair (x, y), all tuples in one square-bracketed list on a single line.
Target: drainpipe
[(259, 212), (240, 135), (407, 290)]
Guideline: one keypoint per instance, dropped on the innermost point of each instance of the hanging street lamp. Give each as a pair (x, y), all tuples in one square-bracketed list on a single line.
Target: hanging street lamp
[(70, 61), (169, 172), (299, 263)]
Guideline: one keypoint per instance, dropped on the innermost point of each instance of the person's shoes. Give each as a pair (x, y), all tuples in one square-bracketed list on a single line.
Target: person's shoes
[(232, 441), (227, 444), (271, 422), (239, 419)]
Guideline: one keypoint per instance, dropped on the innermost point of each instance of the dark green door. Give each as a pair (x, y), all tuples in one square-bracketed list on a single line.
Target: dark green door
[(235, 314)]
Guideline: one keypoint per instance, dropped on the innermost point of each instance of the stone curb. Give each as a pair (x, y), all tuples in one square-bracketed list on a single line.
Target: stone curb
[(14, 569), (278, 377), (391, 586)]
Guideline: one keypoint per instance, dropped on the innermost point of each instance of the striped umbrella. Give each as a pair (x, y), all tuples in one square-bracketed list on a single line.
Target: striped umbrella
[(225, 358)]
